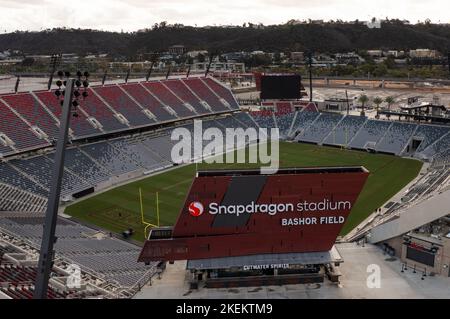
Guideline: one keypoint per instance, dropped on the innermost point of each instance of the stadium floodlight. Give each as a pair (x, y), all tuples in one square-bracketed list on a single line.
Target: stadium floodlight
[(16, 87), (310, 61), (68, 93), (54, 61)]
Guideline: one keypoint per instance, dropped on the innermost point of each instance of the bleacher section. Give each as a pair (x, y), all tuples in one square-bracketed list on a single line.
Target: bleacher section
[(162, 145), (17, 274), (396, 138), (168, 98), (320, 128), (429, 134), (139, 153), (438, 146), (110, 157), (17, 200), (112, 259), (283, 107), (284, 117), (16, 283), (442, 159), (303, 120), (429, 186), (79, 124), (233, 122), (107, 109), (18, 131), (123, 104), (205, 93), (222, 92), (33, 112), (116, 265), (186, 95), (264, 118), (370, 134), (25, 290), (5, 150), (83, 166), (246, 119), (10, 176), (107, 116), (148, 101), (38, 169), (343, 133)]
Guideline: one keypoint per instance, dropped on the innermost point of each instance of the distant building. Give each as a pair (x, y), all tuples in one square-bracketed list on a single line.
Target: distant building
[(5, 54), (10, 61), (160, 65), (401, 61), (380, 60), (40, 58), (234, 56), (297, 56), (92, 58), (375, 53), (69, 58), (348, 58), (336, 104), (218, 66), (392, 53), (177, 49), (423, 53), (194, 54)]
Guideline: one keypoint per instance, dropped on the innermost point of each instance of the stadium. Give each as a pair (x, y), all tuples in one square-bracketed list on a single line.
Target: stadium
[(122, 194)]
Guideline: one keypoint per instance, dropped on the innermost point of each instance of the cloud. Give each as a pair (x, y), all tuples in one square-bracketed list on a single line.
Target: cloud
[(131, 15)]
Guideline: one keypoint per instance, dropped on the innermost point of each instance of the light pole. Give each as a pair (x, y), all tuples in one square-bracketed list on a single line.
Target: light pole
[(71, 94), (310, 57)]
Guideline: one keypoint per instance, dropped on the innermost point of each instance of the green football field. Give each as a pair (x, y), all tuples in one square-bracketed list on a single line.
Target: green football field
[(119, 209)]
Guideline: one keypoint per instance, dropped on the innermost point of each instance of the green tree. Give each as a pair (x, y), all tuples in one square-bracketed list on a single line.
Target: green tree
[(378, 100), (363, 99), (389, 100)]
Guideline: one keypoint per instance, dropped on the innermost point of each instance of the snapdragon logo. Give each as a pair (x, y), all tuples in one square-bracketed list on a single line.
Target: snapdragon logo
[(215, 145), (196, 209)]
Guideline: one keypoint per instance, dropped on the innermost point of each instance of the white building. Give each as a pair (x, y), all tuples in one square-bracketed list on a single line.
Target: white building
[(218, 66), (194, 54), (375, 53), (423, 53)]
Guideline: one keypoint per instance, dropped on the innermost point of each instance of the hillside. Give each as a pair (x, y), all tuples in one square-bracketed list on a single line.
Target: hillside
[(328, 37)]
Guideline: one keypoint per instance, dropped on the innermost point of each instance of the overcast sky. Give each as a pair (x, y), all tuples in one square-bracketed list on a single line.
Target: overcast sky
[(131, 15)]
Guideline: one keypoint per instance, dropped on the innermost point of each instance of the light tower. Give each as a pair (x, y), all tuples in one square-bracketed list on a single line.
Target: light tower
[(70, 91)]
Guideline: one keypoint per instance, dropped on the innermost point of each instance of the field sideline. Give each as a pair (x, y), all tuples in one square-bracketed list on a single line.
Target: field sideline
[(118, 209)]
